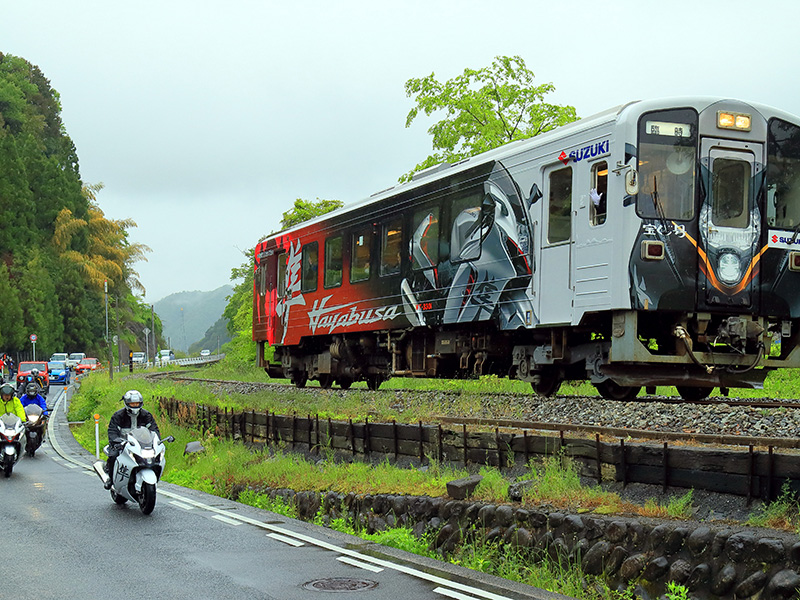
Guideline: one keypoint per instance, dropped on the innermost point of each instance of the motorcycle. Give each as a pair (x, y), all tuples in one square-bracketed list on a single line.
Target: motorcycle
[(12, 438), (137, 468), (35, 426)]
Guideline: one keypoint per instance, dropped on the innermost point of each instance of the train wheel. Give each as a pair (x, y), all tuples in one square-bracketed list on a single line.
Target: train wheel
[(613, 391), (325, 381), (548, 385), (692, 393), (299, 379), (345, 383), (374, 382)]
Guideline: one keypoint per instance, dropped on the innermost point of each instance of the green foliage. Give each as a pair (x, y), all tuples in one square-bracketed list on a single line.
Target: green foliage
[(484, 109), (675, 591), (277, 505), (782, 513), (677, 508), (305, 210), (55, 244)]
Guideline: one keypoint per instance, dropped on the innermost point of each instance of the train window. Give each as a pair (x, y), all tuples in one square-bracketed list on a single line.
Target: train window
[(282, 274), (425, 239), (261, 278), (559, 225), (467, 231), (391, 247), (310, 269), (783, 174), (730, 191), (667, 164), (598, 194), (359, 255), (333, 262)]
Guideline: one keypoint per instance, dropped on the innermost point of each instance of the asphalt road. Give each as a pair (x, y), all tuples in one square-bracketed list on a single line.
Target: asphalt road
[(65, 538)]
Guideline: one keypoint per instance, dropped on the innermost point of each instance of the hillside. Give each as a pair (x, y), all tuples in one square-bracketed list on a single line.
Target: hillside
[(187, 316)]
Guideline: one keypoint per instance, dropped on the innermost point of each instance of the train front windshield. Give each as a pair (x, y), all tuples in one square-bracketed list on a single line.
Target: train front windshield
[(667, 151), (783, 175)]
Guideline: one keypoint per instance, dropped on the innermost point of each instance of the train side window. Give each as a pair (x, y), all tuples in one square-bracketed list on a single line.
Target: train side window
[(282, 274), (466, 232), (310, 269), (261, 278), (391, 247), (559, 225), (598, 195), (359, 255), (425, 239), (333, 262)]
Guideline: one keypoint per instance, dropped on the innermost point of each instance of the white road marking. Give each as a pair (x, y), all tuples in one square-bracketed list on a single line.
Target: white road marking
[(233, 522), (359, 564), (181, 505), (452, 594), (286, 540)]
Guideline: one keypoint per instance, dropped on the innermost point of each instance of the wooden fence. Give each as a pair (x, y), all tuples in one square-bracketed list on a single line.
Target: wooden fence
[(748, 472)]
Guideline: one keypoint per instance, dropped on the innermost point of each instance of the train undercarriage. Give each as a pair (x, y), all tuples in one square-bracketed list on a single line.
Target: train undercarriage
[(618, 352)]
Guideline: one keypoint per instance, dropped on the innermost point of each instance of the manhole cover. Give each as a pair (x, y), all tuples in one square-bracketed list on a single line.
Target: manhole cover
[(340, 584)]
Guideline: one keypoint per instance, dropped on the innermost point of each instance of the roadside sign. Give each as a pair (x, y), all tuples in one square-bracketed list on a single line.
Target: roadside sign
[(33, 337)]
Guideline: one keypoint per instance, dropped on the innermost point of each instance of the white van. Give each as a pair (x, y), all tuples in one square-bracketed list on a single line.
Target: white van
[(165, 356)]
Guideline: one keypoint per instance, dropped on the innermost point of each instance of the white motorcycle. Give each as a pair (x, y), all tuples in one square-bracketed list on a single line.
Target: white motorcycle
[(137, 468), (12, 441)]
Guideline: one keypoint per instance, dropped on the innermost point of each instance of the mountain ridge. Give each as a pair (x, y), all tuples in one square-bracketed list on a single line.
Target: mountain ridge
[(187, 315)]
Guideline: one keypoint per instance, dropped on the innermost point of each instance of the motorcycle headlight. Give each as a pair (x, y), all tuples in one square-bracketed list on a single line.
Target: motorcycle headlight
[(730, 269), (148, 453), (33, 418)]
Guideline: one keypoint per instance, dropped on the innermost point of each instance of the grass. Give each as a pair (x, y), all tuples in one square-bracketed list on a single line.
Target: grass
[(782, 513)]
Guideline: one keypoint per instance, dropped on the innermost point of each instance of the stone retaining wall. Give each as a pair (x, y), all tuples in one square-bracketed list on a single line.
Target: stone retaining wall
[(713, 562)]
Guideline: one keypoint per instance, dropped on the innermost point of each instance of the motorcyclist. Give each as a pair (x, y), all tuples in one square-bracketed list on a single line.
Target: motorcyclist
[(10, 403), (123, 421), (32, 396)]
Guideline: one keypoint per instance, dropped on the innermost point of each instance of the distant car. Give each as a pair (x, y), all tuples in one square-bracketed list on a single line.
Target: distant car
[(24, 373), (87, 365), (59, 357), (59, 373), (205, 352), (74, 358), (165, 356), (138, 358)]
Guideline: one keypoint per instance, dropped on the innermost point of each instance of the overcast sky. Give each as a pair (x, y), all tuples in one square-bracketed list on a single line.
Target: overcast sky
[(205, 120)]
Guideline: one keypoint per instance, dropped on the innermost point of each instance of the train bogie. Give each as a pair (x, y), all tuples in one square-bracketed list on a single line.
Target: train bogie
[(653, 244)]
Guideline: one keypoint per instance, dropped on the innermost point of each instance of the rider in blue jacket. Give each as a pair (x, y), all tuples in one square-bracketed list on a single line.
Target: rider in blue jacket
[(32, 396)]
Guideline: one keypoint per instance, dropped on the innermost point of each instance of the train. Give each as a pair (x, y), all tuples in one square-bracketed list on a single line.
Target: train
[(653, 244)]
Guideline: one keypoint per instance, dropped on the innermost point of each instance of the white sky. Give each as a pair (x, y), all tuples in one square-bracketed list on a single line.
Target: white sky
[(206, 119)]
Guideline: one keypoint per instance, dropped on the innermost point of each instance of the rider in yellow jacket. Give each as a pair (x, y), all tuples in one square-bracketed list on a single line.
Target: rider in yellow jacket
[(10, 403)]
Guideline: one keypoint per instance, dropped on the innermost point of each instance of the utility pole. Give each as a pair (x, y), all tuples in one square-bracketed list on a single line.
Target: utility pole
[(108, 342), (153, 329)]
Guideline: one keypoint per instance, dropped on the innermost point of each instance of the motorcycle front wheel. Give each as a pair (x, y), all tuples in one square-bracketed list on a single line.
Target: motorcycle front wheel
[(118, 498), (147, 498), (7, 468)]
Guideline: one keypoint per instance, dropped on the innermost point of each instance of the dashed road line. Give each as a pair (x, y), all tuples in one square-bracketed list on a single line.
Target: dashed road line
[(286, 540), (357, 563)]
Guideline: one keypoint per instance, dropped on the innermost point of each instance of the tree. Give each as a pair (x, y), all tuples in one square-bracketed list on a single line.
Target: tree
[(305, 210), (484, 109)]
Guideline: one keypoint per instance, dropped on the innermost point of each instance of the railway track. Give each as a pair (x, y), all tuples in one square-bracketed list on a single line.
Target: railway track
[(693, 436), (711, 401)]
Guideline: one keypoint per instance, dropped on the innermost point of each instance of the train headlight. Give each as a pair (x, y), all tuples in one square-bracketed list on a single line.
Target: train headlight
[(732, 120), (730, 269)]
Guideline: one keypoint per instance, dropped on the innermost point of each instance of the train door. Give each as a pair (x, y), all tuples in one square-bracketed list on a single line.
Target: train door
[(730, 222), (592, 247), (555, 290)]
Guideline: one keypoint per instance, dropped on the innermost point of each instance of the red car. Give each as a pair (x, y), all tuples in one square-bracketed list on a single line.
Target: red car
[(86, 365), (24, 372)]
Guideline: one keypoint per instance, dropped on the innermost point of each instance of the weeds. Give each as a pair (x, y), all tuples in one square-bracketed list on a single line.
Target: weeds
[(783, 513), (676, 508)]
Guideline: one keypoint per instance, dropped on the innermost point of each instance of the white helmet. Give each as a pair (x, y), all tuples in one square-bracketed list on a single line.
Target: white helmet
[(133, 402)]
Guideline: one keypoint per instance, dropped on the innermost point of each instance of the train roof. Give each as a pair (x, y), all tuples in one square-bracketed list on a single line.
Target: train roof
[(629, 111)]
